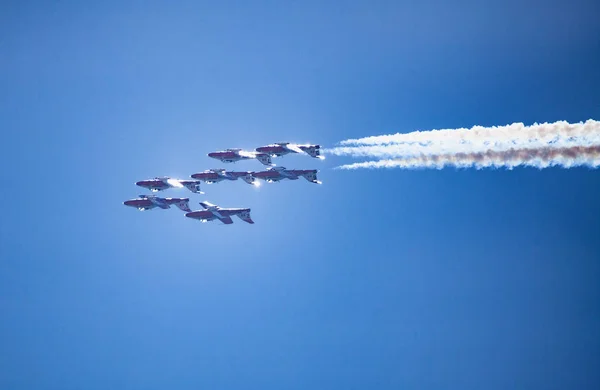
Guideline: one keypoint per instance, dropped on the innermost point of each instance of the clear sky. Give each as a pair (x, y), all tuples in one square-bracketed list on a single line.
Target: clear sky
[(387, 279)]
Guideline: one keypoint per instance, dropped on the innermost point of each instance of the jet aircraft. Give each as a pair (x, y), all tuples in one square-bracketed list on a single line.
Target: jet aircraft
[(282, 148), (212, 176), (234, 155), (212, 212), (163, 183), (275, 174), (148, 202)]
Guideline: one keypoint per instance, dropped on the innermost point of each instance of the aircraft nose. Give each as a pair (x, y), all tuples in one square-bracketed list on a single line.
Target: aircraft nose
[(128, 203), (212, 154), (139, 183)]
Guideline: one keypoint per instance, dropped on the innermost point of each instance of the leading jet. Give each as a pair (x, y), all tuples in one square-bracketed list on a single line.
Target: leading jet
[(163, 183), (148, 202), (212, 212), (234, 155), (275, 174), (282, 148), (211, 176)]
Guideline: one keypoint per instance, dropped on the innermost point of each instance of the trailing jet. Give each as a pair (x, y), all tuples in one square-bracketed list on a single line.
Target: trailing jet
[(212, 176), (212, 212), (275, 174), (163, 183), (282, 148), (148, 202), (233, 155)]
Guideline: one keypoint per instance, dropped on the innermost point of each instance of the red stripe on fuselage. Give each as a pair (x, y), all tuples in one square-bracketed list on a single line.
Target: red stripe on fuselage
[(270, 149), (152, 183), (205, 176), (266, 174), (223, 154), (239, 174), (138, 203)]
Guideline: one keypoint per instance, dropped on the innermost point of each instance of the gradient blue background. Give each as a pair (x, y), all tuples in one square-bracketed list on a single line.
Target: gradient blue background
[(388, 279)]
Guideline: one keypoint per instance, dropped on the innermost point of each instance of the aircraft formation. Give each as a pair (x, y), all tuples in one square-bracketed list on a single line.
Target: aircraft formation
[(211, 212)]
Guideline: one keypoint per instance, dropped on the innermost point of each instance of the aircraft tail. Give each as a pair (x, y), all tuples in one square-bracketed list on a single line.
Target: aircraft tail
[(193, 186), (183, 205), (313, 151), (249, 179), (311, 176), (264, 158), (245, 216)]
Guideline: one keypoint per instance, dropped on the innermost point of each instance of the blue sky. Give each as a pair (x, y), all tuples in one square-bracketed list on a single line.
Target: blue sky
[(385, 278)]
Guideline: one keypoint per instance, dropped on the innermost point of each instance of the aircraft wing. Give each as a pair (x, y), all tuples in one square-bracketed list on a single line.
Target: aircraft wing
[(226, 220), (201, 215), (294, 148)]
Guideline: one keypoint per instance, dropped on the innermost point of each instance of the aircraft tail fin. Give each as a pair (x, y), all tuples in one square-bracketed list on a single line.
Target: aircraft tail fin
[(245, 216), (311, 176), (313, 151), (264, 158), (193, 186), (249, 179), (184, 205)]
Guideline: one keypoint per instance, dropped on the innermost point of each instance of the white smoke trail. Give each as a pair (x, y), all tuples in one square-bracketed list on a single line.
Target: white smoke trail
[(517, 132), (539, 158), (539, 145)]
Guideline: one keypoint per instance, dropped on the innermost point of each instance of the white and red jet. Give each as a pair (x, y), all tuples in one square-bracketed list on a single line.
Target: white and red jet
[(233, 155), (282, 148), (212, 212), (275, 174), (212, 176), (163, 183), (148, 202)]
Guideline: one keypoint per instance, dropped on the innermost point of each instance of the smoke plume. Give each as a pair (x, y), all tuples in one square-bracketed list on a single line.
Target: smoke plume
[(540, 145)]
